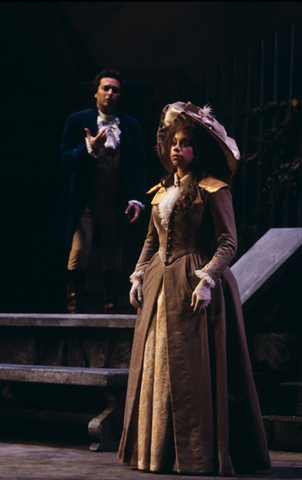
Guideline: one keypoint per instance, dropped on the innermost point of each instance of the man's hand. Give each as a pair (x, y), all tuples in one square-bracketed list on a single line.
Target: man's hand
[(135, 294), (201, 296), (96, 142), (133, 211)]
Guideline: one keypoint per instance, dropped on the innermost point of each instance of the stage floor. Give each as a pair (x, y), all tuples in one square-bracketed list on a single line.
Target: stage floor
[(52, 462)]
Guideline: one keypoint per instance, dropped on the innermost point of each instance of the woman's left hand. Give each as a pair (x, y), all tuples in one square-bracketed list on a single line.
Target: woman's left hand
[(201, 296)]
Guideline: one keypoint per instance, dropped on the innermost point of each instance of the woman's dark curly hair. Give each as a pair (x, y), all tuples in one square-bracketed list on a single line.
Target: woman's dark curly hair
[(208, 160)]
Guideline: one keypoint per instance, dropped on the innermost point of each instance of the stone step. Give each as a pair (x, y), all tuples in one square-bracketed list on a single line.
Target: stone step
[(110, 377), (66, 320), (283, 432), (105, 427), (46, 416)]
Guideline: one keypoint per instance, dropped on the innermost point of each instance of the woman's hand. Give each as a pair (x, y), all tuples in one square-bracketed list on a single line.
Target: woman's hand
[(136, 296), (201, 296)]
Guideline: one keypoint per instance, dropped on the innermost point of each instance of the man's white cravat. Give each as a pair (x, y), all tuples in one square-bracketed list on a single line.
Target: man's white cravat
[(112, 131), (109, 123)]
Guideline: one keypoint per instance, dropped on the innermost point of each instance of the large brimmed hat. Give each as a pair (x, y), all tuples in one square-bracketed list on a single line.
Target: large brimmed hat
[(204, 118)]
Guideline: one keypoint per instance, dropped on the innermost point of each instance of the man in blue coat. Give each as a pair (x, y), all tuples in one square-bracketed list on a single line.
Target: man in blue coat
[(104, 150)]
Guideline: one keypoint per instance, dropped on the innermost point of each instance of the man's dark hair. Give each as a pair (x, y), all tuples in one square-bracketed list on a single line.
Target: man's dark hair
[(107, 73)]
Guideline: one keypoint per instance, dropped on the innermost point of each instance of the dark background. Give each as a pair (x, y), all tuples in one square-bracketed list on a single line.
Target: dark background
[(50, 52)]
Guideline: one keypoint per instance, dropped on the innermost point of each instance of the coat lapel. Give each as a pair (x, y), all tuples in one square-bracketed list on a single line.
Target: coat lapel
[(91, 120)]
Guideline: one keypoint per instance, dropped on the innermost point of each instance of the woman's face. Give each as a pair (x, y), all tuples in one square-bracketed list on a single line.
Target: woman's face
[(181, 152)]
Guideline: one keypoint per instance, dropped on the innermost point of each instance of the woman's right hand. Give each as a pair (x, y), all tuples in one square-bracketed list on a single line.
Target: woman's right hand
[(136, 296)]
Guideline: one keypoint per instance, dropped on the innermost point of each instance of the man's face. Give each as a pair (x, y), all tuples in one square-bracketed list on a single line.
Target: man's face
[(108, 95)]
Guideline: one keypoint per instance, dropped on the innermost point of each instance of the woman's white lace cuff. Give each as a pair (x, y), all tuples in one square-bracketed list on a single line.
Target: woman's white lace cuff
[(200, 274), (137, 276)]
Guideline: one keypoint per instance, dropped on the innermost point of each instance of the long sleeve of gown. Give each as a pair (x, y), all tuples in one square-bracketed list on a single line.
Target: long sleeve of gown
[(221, 207)]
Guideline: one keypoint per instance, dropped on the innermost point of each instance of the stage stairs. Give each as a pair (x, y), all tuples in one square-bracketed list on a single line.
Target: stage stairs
[(69, 369), (73, 369)]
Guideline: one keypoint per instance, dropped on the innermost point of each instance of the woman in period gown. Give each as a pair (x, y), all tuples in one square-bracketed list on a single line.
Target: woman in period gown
[(191, 404)]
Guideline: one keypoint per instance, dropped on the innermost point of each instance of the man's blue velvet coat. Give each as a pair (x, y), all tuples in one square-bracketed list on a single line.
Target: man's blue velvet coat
[(75, 156)]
